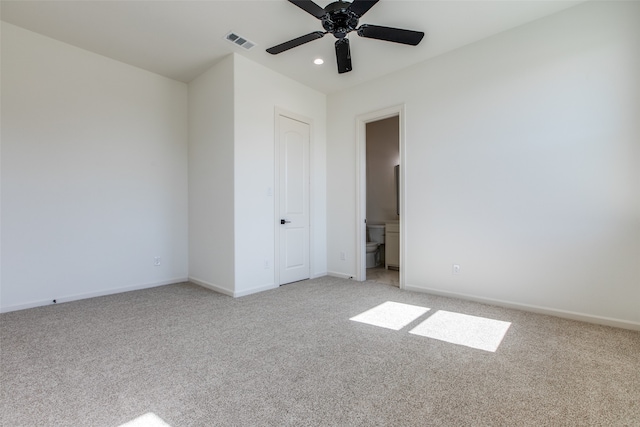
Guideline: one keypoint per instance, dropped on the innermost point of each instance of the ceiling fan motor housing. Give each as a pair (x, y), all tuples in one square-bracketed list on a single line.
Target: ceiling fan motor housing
[(339, 20)]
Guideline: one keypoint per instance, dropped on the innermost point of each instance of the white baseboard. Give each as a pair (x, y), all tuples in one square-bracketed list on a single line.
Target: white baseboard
[(76, 297), (340, 275), (317, 275), (600, 320), (229, 292), (211, 286), (255, 290)]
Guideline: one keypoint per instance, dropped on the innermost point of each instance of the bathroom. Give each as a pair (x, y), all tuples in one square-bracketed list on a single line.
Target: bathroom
[(382, 168)]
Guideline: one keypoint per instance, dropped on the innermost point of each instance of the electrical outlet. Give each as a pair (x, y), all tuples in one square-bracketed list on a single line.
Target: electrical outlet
[(343, 256), (156, 261), (267, 264), (456, 269)]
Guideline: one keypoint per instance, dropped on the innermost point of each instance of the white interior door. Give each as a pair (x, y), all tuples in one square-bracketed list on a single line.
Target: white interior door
[(294, 200)]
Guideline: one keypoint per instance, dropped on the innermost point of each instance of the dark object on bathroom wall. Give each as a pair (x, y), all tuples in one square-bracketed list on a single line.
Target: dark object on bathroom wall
[(397, 175)]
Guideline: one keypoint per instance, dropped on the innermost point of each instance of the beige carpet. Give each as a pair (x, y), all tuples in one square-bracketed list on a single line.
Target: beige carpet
[(382, 275), (292, 357)]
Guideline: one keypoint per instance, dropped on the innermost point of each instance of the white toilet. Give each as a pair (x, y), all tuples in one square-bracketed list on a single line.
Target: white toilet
[(375, 237)]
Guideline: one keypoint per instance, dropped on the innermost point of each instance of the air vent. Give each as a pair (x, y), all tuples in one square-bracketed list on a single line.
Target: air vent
[(238, 40)]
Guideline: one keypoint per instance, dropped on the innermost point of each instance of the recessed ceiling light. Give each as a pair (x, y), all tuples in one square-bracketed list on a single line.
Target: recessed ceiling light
[(318, 61)]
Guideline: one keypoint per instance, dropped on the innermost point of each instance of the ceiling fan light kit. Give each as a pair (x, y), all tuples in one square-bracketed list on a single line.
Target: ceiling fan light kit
[(340, 18)]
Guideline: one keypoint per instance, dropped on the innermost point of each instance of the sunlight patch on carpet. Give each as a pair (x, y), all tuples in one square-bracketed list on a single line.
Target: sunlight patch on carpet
[(471, 331), (147, 420), (391, 315)]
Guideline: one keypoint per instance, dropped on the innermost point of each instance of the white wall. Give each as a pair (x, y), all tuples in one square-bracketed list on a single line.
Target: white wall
[(258, 92), (522, 165), (231, 169), (94, 158), (211, 182)]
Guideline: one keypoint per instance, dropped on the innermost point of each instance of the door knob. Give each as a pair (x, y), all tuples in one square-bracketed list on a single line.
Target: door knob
[(284, 221)]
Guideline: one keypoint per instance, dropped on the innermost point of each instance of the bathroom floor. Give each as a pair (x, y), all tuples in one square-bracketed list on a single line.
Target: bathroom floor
[(382, 275)]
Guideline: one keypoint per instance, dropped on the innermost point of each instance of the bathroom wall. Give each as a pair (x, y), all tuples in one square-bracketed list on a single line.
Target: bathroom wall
[(383, 154)]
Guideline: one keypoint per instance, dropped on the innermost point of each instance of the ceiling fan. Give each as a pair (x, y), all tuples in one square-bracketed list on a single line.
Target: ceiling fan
[(340, 18)]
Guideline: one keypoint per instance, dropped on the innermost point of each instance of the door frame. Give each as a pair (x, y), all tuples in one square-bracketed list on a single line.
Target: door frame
[(361, 185), (276, 190)]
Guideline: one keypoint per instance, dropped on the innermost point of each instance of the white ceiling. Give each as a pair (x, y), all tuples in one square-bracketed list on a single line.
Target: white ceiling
[(181, 39)]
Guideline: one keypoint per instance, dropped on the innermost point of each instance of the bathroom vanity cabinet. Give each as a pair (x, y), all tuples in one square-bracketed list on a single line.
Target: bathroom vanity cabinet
[(392, 245)]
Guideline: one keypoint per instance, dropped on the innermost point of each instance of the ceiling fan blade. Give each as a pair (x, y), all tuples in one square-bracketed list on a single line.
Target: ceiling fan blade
[(295, 42), (389, 34), (360, 7), (310, 7), (343, 55)]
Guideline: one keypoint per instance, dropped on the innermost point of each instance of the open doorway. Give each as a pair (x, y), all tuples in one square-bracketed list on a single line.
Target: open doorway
[(380, 196)]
